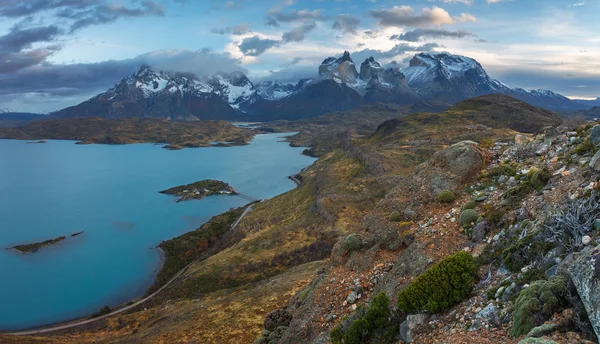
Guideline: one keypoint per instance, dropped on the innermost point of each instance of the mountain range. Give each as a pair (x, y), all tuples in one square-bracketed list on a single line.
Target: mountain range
[(432, 81)]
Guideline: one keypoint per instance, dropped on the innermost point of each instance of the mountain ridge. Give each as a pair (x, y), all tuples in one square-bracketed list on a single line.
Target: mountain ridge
[(430, 78)]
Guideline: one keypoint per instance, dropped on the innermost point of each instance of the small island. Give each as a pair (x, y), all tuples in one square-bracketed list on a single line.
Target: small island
[(32, 248), (199, 190)]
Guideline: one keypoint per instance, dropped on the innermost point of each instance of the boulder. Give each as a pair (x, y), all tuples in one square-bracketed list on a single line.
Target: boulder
[(480, 231), (277, 318), (490, 314), (583, 268), (595, 135), (595, 161), (532, 340), (409, 326), (447, 169)]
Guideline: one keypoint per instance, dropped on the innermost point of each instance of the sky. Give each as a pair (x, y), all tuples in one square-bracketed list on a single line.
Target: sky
[(58, 53)]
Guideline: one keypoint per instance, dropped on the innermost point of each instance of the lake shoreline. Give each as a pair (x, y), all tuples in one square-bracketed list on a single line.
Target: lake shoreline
[(160, 266)]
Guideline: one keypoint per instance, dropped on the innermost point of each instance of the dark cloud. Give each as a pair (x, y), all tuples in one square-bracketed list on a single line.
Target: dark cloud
[(232, 30), (405, 16), (254, 46), (346, 23), (103, 14), (421, 34), (23, 8), (74, 81), (18, 39), (298, 33), (276, 16)]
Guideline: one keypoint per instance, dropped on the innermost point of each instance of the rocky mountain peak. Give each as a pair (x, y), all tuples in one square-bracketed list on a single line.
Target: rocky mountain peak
[(370, 69), (341, 69)]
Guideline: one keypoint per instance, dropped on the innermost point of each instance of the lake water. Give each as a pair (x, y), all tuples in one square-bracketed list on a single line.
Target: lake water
[(111, 193)]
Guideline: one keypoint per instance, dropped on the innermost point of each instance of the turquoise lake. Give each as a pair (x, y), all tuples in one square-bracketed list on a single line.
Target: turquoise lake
[(111, 193)]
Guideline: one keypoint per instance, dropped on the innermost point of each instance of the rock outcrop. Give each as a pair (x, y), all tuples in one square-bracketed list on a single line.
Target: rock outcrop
[(583, 268), (447, 169)]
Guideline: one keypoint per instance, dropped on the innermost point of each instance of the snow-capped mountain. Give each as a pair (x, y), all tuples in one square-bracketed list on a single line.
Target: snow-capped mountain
[(430, 78), (452, 78), (178, 96), (589, 103), (273, 90)]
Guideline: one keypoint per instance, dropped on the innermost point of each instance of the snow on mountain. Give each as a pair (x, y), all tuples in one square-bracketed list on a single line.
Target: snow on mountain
[(451, 78), (272, 90)]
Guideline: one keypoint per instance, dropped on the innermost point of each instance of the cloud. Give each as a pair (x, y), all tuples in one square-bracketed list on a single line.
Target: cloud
[(254, 46), (277, 16), (52, 86), (346, 23), (466, 2), (103, 14), (578, 4), (293, 62), (405, 16), (18, 39), (23, 8), (465, 17), (298, 33), (237, 30), (421, 34)]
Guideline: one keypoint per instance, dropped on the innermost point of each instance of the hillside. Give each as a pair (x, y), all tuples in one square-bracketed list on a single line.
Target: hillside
[(367, 219), (97, 130), (15, 119)]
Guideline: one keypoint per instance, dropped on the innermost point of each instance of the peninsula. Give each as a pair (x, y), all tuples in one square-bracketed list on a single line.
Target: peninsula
[(34, 247)]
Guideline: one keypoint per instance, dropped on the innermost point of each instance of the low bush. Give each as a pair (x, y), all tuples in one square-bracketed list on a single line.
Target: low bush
[(375, 325), (440, 286), (468, 218), (396, 217), (586, 147), (352, 243), (470, 205), (540, 178), (537, 303), (445, 196), (502, 170)]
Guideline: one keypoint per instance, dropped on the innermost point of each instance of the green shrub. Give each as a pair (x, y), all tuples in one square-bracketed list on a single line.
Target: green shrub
[(336, 335), (352, 243), (396, 217), (440, 286), (470, 205), (531, 247), (540, 178), (502, 169), (376, 325), (494, 217), (537, 303), (586, 147), (467, 218), (446, 196)]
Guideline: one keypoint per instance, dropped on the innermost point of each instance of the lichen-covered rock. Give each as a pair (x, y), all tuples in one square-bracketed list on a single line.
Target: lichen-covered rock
[(595, 135), (583, 269), (531, 340), (543, 330), (595, 161), (277, 318)]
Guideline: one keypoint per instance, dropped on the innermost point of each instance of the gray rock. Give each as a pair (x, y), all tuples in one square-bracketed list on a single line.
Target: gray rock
[(550, 131), (509, 292), (480, 231), (499, 292), (583, 268), (491, 314), (352, 297), (551, 271), (543, 330), (595, 161), (531, 340), (408, 327), (595, 135), (502, 271)]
